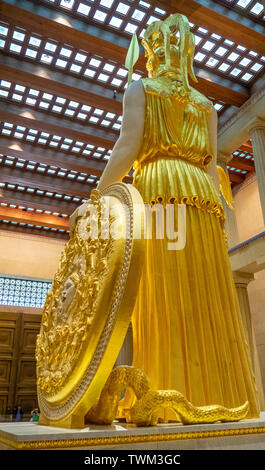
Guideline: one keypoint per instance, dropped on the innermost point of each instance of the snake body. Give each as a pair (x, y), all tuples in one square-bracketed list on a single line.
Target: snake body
[(148, 401)]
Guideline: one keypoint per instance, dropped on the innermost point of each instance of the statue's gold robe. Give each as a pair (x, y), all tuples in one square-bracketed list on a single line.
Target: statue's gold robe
[(188, 333)]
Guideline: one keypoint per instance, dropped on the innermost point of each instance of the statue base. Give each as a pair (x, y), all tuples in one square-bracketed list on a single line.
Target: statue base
[(71, 422), (245, 434)]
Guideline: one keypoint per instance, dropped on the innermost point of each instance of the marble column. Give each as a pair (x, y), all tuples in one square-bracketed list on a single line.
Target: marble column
[(230, 222), (242, 280), (257, 134)]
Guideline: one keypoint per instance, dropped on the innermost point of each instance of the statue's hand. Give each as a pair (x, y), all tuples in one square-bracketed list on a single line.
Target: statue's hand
[(79, 212)]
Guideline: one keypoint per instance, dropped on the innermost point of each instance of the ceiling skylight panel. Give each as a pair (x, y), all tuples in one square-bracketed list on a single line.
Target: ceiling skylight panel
[(57, 109), (31, 101), (256, 67), (90, 73), (241, 48), (160, 11), (245, 62), (33, 41), (203, 30), (4, 93), (31, 53), (75, 68), (122, 72), (103, 77), (108, 67), (198, 39), (115, 22), (81, 116), (50, 47), (44, 104), (247, 76), (199, 57), (16, 97), (67, 4), (233, 56), (116, 82), (83, 9), (60, 100), (208, 46), (130, 28), (80, 57), (144, 4), (138, 15), (216, 36), (152, 19), (61, 63), (100, 16), (85, 108), (95, 62), (47, 59), (98, 112), (69, 112), (106, 3), (235, 72), (243, 3), (122, 8), (211, 62), (15, 48), (3, 31), (65, 52), (18, 36), (221, 51), (257, 9)]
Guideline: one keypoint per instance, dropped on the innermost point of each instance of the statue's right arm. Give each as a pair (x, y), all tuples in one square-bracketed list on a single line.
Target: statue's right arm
[(127, 147)]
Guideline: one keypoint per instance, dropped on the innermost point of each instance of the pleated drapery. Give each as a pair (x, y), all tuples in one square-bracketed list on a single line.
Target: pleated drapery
[(187, 329)]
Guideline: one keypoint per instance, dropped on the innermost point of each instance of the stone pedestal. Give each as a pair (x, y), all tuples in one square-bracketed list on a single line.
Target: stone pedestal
[(245, 434), (257, 134)]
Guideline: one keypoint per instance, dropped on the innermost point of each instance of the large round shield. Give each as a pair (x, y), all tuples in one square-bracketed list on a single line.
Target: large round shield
[(88, 310)]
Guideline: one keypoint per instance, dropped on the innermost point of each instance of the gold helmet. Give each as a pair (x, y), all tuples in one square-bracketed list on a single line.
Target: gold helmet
[(168, 45)]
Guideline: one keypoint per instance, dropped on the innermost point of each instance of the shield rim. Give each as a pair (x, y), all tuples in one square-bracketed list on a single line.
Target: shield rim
[(87, 391)]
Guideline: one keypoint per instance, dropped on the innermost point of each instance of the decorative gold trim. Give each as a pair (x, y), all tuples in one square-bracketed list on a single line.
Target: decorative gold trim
[(104, 441), (79, 394)]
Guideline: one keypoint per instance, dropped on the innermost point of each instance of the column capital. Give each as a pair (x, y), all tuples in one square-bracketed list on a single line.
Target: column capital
[(242, 278), (256, 123)]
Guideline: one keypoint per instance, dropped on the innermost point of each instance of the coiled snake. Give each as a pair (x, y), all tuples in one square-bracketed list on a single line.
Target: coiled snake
[(148, 401)]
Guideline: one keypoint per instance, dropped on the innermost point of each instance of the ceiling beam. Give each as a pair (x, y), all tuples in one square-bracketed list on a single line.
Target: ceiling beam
[(33, 231), (212, 88), (242, 164), (24, 199), (82, 40), (247, 146), (218, 23), (36, 80), (235, 178), (45, 182), (50, 157), (58, 76), (30, 118), (45, 220)]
